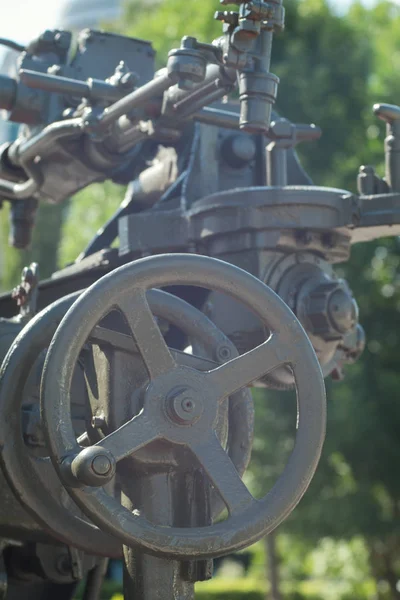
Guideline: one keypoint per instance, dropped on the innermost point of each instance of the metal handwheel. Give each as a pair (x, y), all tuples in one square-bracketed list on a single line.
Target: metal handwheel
[(33, 478), (181, 406)]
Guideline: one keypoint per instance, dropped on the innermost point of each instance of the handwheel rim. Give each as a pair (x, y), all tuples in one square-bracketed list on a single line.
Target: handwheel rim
[(23, 471), (19, 468), (263, 515)]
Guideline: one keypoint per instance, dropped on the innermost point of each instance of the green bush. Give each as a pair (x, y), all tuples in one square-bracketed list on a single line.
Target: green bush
[(220, 589), (249, 588), (231, 589)]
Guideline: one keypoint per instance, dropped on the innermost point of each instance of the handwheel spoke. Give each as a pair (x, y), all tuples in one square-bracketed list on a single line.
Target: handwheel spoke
[(129, 438), (243, 370), (146, 333), (223, 474)]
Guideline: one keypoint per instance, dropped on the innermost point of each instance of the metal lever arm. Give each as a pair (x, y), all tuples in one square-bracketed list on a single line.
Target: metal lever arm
[(93, 89)]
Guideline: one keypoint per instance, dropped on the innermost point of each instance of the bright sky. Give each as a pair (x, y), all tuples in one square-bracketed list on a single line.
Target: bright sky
[(21, 20)]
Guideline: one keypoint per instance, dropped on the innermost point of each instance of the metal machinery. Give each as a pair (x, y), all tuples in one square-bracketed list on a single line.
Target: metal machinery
[(126, 416)]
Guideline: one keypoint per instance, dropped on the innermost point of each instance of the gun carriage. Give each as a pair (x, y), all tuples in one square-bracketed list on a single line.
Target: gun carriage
[(116, 441)]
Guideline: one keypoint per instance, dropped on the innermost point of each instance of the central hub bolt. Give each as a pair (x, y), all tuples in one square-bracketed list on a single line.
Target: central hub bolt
[(183, 406), (188, 405)]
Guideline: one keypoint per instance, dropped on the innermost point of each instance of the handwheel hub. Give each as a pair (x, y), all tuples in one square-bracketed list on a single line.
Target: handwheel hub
[(180, 399), (184, 406)]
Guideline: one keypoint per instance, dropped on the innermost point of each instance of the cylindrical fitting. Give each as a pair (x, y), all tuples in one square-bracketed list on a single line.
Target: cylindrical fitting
[(392, 153), (276, 165), (188, 66), (257, 95), (366, 181), (22, 220), (390, 113)]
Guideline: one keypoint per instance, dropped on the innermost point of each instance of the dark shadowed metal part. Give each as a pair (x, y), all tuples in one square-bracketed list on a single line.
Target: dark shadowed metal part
[(32, 478)]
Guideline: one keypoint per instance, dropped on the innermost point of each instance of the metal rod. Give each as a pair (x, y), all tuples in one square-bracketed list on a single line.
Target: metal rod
[(218, 118), (148, 577), (135, 99), (18, 191), (22, 152), (226, 76), (53, 83), (95, 89), (276, 165), (182, 106), (94, 581), (191, 106)]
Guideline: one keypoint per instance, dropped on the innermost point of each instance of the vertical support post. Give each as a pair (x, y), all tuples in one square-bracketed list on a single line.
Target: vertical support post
[(166, 498), (258, 87), (3, 577), (273, 566), (284, 136), (276, 165), (390, 113), (94, 581)]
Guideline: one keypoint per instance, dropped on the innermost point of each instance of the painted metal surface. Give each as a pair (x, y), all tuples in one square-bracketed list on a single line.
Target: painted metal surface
[(206, 177)]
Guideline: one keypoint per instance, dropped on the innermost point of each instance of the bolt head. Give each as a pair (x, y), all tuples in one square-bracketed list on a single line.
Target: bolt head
[(188, 405), (94, 466), (184, 406), (224, 353), (101, 465), (331, 310), (342, 310), (63, 564)]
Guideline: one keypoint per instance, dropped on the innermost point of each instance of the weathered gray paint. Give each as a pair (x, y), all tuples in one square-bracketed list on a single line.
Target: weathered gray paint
[(207, 177)]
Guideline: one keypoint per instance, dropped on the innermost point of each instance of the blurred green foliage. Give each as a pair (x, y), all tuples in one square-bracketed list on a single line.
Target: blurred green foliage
[(88, 212)]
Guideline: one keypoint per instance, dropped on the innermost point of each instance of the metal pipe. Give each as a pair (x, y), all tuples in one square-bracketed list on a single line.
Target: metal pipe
[(18, 191), (95, 89), (22, 152), (149, 577), (181, 107), (225, 75), (95, 580), (191, 105), (265, 49), (218, 118), (276, 165), (135, 99)]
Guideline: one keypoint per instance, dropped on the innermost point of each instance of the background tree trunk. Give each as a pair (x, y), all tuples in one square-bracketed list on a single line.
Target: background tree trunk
[(272, 566)]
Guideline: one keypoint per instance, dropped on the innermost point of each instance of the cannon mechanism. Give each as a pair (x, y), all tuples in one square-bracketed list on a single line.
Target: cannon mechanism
[(127, 418)]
